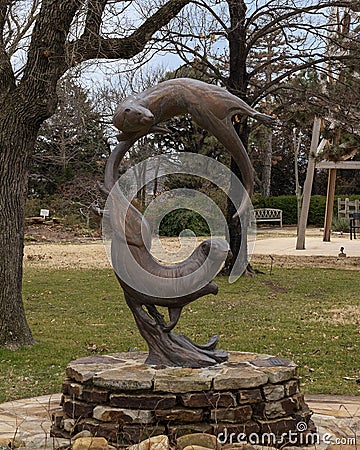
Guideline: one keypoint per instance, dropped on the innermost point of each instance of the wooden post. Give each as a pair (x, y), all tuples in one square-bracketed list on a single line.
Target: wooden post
[(330, 195), (329, 204), (300, 243)]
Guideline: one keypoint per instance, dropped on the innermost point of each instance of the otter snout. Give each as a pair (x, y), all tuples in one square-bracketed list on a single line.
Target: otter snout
[(147, 118)]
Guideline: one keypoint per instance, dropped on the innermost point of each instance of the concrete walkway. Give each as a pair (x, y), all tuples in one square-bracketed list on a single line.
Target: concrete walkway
[(337, 419), (277, 241)]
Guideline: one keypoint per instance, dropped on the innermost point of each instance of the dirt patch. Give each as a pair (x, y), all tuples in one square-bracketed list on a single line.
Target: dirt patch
[(66, 256), (49, 232), (344, 316), (276, 288)]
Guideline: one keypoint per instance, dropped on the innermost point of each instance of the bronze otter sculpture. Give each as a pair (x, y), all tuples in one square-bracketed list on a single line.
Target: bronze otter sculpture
[(147, 283)]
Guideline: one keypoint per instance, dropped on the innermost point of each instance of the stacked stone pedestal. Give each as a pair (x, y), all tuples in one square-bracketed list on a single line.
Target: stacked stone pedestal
[(120, 398)]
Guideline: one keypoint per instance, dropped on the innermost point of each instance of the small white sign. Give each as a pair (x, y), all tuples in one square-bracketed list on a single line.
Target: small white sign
[(44, 213)]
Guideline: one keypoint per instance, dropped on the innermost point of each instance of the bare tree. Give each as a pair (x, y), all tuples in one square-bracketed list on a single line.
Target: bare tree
[(39, 42)]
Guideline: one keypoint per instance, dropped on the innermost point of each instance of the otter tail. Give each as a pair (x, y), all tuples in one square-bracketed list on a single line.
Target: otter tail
[(225, 133)]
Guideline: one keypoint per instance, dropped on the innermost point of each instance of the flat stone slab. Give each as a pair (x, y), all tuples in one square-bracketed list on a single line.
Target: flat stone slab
[(127, 371), (131, 379), (183, 380)]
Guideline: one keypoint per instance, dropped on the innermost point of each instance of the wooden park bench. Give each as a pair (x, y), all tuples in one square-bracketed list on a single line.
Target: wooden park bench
[(268, 215)]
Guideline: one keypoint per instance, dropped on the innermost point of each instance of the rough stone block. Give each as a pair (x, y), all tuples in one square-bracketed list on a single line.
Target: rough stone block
[(281, 408), (292, 387), (58, 432), (125, 379), (80, 372), (195, 447), (82, 434), (143, 401), (65, 386), (57, 418), (178, 430), (182, 380), (227, 433), (76, 409), (94, 395), (280, 374), (181, 415), (236, 358), (75, 390), (122, 415), (245, 378), (108, 430), (278, 426), (85, 369), (131, 434), (249, 396), (90, 443), (199, 439), (68, 425), (234, 415), (160, 442), (272, 393), (208, 399)]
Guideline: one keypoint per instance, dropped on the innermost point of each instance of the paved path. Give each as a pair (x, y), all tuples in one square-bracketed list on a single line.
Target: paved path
[(283, 242), (336, 417)]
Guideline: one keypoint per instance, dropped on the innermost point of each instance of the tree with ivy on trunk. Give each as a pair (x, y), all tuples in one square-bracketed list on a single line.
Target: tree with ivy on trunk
[(40, 41)]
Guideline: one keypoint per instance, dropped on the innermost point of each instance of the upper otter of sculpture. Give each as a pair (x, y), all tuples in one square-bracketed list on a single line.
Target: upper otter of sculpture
[(141, 113), (210, 106)]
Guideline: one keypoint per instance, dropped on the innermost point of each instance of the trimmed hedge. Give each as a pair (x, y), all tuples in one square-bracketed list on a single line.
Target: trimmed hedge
[(288, 204), (181, 219)]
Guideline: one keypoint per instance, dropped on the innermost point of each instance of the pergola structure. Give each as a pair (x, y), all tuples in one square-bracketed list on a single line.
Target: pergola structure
[(330, 195), (315, 149)]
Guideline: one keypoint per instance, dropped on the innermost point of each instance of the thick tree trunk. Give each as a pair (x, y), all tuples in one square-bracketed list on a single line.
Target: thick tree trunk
[(237, 85), (16, 144)]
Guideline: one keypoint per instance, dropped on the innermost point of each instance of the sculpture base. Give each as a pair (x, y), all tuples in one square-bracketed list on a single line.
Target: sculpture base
[(250, 398)]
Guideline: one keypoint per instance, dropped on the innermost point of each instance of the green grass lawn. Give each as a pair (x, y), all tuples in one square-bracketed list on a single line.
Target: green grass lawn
[(311, 316)]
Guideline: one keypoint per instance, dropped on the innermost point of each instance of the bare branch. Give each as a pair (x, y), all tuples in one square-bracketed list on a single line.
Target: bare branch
[(294, 12), (21, 29), (264, 90), (7, 79), (94, 18), (111, 48)]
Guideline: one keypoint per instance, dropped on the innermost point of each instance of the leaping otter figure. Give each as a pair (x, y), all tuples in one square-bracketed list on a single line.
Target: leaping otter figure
[(210, 106)]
